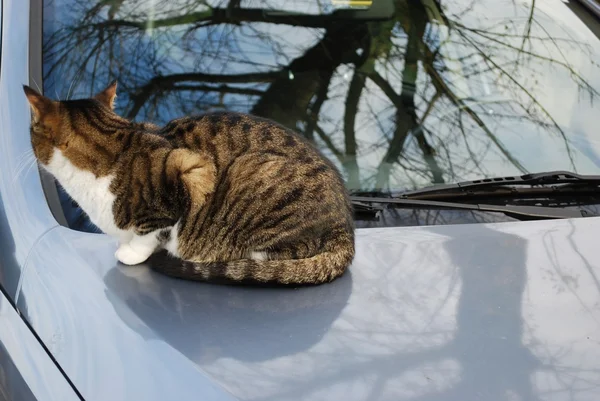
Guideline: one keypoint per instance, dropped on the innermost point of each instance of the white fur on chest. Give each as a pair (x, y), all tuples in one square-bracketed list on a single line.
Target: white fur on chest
[(90, 192)]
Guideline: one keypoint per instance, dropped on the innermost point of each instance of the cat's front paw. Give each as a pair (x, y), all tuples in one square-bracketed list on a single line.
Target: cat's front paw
[(128, 256)]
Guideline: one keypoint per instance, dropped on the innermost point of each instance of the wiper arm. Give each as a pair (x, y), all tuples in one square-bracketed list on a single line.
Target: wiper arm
[(554, 181), (364, 204)]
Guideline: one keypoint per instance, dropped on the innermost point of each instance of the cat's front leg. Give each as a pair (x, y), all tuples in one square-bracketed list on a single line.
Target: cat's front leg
[(124, 236), (138, 249)]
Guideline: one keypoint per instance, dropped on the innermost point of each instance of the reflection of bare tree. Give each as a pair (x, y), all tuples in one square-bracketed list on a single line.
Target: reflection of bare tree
[(386, 100), (446, 318), (490, 324)]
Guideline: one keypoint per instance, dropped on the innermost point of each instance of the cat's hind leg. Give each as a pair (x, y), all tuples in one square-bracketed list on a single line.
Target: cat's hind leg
[(139, 249)]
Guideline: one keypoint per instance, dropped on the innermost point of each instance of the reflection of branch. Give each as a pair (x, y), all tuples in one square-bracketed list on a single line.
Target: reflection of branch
[(429, 156), (526, 92), (228, 15), (385, 86), (551, 250), (288, 97), (406, 117), (584, 260), (233, 4), (351, 110), (168, 82), (430, 105), (442, 87), (426, 148), (405, 122), (387, 364), (220, 89), (526, 33), (315, 109), (472, 154), (490, 36), (325, 138)]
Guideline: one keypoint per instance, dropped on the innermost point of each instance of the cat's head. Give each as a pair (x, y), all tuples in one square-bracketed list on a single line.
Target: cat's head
[(78, 129)]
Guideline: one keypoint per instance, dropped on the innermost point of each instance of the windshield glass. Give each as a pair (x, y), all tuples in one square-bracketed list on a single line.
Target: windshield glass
[(432, 94)]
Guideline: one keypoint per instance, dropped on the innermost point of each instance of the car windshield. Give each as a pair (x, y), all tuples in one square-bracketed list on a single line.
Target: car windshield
[(399, 94)]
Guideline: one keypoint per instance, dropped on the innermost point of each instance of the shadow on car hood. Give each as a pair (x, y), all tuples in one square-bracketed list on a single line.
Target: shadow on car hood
[(491, 312)]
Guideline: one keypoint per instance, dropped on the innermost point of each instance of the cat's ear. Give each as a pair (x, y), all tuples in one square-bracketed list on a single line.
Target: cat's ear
[(108, 95), (40, 105)]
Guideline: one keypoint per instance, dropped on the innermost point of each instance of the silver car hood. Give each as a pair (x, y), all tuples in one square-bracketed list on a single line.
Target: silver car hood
[(506, 311)]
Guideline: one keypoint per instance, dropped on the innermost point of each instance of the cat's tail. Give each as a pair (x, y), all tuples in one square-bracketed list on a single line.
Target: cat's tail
[(318, 269)]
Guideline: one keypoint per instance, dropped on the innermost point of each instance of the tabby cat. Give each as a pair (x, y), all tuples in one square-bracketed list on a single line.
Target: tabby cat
[(231, 197)]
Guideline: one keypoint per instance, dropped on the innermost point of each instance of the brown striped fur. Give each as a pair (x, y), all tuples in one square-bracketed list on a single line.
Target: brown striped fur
[(234, 183)]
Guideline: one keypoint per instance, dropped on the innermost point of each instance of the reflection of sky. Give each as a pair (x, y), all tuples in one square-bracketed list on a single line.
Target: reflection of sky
[(235, 50), (551, 85), (260, 47)]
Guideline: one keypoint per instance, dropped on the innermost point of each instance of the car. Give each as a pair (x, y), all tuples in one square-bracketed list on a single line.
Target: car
[(592, 5), (466, 133)]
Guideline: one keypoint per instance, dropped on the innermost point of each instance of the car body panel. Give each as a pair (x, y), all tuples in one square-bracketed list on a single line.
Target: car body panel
[(26, 371), (107, 357), (507, 311), (485, 311), (24, 214), (592, 5)]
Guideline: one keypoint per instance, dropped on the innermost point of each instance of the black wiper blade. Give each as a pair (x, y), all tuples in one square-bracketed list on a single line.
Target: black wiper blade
[(559, 179), (516, 211), (366, 211)]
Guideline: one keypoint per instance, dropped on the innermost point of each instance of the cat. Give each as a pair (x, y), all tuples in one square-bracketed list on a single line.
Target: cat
[(231, 197)]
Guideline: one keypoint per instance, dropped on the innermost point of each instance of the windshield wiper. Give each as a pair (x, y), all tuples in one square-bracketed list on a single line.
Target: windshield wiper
[(551, 182), (366, 205), (547, 184)]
